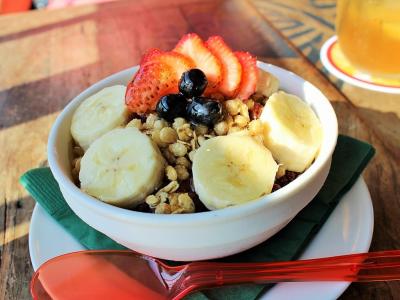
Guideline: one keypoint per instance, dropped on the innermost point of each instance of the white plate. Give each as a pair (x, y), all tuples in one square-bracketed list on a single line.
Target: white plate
[(348, 230)]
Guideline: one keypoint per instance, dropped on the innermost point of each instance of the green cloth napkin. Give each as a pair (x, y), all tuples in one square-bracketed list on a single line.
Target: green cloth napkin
[(349, 160)]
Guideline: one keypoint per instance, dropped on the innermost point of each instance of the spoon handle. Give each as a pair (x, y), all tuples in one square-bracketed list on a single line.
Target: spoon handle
[(363, 267)]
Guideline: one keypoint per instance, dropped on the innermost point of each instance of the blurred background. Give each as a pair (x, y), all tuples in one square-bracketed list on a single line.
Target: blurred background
[(10, 6)]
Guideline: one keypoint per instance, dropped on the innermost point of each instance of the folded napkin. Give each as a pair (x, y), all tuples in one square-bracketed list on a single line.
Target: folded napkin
[(349, 160)]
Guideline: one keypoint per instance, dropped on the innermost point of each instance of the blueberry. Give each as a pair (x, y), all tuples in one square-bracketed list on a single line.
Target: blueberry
[(205, 111), (172, 106), (193, 83)]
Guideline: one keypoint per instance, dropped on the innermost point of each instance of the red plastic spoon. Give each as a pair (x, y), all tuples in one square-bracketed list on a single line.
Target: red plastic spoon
[(123, 275)]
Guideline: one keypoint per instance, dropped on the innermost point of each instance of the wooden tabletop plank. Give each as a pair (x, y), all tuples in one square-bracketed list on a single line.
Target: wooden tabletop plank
[(53, 55)]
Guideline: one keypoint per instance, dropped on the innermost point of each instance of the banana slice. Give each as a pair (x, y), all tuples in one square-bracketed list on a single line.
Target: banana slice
[(99, 114), (121, 167), (267, 84), (293, 132), (231, 170)]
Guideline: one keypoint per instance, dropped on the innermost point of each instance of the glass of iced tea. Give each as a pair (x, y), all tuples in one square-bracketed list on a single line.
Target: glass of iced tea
[(369, 35)]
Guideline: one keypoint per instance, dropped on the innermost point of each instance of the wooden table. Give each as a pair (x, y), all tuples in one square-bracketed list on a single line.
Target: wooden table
[(48, 57)]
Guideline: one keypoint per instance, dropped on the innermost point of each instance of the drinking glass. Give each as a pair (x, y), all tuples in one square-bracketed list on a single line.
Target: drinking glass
[(369, 35)]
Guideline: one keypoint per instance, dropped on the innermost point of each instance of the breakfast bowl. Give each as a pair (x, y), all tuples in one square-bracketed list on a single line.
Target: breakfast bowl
[(203, 235)]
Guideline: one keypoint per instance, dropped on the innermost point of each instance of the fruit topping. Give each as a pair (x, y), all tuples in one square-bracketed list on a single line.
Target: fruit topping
[(231, 67), (99, 114), (171, 106), (158, 75), (192, 46), (205, 111), (249, 79), (193, 83), (149, 54), (121, 167), (267, 84), (233, 169), (294, 132), (178, 62)]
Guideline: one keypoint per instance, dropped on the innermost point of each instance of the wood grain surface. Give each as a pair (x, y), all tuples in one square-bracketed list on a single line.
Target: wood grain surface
[(48, 57)]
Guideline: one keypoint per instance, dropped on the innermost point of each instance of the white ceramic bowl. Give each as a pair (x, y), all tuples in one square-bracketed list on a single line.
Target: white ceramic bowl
[(204, 235)]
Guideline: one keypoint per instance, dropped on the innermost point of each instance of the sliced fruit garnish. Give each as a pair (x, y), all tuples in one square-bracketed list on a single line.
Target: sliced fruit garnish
[(180, 63), (267, 84), (294, 132), (231, 67), (149, 54), (192, 46), (248, 83), (232, 169), (121, 167), (99, 114), (158, 76), (148, 85)]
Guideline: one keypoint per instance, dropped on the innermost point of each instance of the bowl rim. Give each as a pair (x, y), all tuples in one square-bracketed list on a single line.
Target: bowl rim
[(233, 212)]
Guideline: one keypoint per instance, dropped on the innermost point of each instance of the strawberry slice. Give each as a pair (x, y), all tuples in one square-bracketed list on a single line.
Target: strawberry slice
[(192, 46), (149, 54), (231, 67), (179, 62), (148, 85), (158, 75), (249, 75)]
